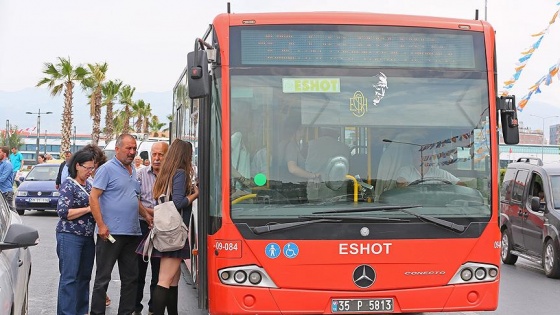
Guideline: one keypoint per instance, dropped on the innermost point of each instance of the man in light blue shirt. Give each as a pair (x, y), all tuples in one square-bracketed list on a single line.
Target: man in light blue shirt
[(17, 161), (6, 176), (114, 203)]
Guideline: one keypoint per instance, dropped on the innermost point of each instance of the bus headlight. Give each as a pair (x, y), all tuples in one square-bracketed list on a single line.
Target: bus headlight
[(480, 273), (255, 277), (251, 276), (466, 274), (240, 276), (475, 272)]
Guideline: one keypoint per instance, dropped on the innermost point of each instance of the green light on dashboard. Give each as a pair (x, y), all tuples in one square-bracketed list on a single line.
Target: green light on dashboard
[(260, 179)]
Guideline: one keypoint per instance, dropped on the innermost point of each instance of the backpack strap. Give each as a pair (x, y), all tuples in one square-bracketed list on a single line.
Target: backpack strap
[(148, 246)]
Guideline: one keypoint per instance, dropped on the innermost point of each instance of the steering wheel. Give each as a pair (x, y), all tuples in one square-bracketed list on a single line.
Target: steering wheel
[(419, 181)]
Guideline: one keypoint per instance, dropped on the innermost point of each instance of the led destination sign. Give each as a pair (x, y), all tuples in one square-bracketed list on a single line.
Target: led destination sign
[(364, 47)]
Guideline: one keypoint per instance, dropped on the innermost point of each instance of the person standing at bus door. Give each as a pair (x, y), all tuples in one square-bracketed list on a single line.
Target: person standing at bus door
[(6, 176), (75, 246), (147, 178), (17, 161), (115, 207), (241, 126), (294, 158), (176, 172), (63, 170)]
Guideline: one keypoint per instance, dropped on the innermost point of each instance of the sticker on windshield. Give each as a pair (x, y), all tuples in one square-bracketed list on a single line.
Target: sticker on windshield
[(272, 250), (291, 250)]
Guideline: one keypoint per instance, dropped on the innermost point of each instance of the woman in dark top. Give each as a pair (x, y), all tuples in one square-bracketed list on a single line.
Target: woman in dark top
[(176, 172), (74, 236)]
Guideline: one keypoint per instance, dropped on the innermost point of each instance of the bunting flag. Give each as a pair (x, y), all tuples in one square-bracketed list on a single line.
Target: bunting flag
[(536, 88), (526, 55)]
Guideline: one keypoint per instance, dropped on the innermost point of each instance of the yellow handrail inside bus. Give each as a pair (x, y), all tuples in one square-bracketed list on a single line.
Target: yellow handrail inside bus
[(356, 185), (249, 196)]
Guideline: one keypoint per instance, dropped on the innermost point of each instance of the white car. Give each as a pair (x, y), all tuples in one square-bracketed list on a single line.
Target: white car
[(15, 260)]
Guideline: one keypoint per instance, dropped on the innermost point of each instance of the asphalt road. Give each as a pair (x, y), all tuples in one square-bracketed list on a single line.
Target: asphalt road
[(524, 289)]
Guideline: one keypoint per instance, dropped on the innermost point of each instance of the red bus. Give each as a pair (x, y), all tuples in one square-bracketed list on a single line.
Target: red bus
[(347, 162)]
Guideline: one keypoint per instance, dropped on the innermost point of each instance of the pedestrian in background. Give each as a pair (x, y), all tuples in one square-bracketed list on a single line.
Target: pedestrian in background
[(63, 170), (74, 236), (17, 162), (115, 207), (176, 173), (42, 159), (147, 177), (6, 176)]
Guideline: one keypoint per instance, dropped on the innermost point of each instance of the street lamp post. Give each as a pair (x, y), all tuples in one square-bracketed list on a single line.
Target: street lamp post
[(45, 141), (542, 142), (38, 131)]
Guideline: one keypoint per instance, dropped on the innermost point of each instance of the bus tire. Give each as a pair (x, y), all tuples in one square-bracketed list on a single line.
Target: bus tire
[(507, 245), (550, 261)]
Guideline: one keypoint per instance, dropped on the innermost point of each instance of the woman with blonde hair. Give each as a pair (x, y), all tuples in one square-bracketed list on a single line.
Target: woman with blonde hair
[(175, 176)]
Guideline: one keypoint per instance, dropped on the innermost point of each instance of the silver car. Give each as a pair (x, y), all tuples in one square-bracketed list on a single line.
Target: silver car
[(15, 260)]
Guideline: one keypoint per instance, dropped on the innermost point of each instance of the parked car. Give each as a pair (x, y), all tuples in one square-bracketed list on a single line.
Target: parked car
[(15, 260), (530, 214), (38, 191)]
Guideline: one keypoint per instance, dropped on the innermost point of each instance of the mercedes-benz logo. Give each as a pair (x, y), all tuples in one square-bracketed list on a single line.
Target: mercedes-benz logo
[(363, 276)]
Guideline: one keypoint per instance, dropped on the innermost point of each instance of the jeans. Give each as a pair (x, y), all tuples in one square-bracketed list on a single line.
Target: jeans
[(75, 263), (142, 268), (123, 251)]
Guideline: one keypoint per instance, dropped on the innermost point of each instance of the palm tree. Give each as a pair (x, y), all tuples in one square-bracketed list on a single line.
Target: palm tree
[(125, 98), (110, 90), (146, 118), (61, 77), (118, 122), (138, 110), (155, 126), (94, 83)]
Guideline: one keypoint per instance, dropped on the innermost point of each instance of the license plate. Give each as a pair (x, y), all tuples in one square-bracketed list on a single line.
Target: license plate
[(362, 305), (39, 200)]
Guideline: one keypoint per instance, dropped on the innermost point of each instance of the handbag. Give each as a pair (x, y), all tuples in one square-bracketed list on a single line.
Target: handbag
[(169, 232)]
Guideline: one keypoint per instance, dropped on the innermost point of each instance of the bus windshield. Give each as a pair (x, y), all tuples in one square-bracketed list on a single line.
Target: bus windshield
[(320, 133)]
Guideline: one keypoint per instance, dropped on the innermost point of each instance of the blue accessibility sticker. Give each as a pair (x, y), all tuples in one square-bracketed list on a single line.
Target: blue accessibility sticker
[(272, 250), (291, 250)]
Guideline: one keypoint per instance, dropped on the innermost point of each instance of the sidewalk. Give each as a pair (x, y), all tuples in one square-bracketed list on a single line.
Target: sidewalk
[(188, 304)]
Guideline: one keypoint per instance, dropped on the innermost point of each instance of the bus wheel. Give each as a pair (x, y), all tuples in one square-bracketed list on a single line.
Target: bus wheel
[(507, 257), (550, 261)]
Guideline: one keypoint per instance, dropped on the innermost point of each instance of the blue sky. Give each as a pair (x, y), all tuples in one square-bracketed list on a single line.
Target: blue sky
[(145, 42)]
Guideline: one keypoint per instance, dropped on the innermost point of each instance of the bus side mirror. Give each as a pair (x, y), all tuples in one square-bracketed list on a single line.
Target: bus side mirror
[(508, 115), (198, 76)]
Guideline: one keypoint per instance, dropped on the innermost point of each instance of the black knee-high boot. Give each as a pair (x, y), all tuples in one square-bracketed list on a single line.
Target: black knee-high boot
[(159, 300), (172, 300)]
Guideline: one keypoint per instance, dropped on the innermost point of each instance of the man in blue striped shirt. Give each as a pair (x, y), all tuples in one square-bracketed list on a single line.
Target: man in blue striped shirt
[(147, 178)]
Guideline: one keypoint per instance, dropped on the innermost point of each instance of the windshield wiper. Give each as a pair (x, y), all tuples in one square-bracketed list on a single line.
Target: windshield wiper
[(440, 222), (282, 226), (368, 209), (361, 218)]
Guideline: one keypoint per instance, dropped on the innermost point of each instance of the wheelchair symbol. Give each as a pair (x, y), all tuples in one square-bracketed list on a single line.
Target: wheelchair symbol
[(291, 250)]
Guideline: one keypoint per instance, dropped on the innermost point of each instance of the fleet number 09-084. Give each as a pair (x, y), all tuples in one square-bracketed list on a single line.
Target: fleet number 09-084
[(227, 246)]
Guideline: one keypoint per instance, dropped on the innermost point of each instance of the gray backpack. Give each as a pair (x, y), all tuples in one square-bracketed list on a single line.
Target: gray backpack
[(169, 232)]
